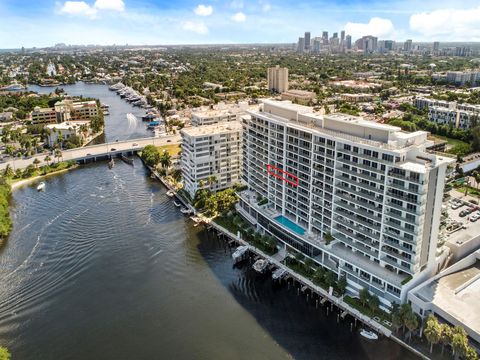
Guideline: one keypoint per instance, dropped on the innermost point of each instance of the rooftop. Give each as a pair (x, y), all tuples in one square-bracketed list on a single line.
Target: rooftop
[(456, 294), (219, 128)]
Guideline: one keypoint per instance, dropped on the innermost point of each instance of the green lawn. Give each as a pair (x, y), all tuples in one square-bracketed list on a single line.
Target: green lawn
[(173, 149)]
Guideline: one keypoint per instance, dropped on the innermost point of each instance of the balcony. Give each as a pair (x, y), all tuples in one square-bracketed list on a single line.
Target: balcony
[(401, 228), (344, 212), (396, 265), (357, 202), (352, 227), (355, 244)]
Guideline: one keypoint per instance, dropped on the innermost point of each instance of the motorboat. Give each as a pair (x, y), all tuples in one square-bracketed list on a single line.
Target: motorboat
[(185, 211), (177, 204), (41, 186), (239, 253), (260, 265), (367, 334), (111, 163), (278, 274), (171, 193)]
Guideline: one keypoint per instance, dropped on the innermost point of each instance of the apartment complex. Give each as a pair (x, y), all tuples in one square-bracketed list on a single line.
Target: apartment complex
[(277, 79), (66, 110), (463, 77), (211, 150), (214, 116), (65, 130), (462, 116), (359, 198)]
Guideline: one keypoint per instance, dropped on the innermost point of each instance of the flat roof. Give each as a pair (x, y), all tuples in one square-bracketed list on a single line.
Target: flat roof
[(213, 129), (456, 294)]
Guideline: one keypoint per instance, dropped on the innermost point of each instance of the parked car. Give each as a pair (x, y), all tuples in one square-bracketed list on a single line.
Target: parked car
[(113, 149), (134, 144), (464, 213), (475, 217)]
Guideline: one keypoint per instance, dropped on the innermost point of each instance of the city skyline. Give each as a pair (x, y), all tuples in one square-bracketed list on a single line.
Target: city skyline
[(147, 22)]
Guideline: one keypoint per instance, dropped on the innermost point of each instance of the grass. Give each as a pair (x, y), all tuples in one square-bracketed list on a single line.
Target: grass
[(455, 146), (173, 149), (356, 304), (44, 170)]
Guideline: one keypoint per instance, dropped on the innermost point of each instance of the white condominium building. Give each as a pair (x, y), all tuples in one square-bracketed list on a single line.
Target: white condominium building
[(277, 79), (462, 116), (211, 150), (370, 187)]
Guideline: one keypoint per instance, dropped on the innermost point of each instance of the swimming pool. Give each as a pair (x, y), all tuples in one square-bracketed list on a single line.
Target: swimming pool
[(290, 224)]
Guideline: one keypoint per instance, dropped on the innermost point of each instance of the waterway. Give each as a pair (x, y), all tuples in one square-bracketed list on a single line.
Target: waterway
[(116, 125), (102, 265)]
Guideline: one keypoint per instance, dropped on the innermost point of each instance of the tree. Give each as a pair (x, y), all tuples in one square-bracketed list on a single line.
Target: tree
[(4, 353), (446, 335), (459, 342), (48, 159), (475, 133), (8, 172), (471, 354), (342, 285), (364, 296), (165, 160), (433, 331), (373, 303), (36, 162), (151, 155), (411, 322), (58, 154)]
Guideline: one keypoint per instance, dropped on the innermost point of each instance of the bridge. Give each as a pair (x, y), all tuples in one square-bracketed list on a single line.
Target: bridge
[(96, 152)]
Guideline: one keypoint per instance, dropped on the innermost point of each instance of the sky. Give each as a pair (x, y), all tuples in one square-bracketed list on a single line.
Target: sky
[(40, 23)]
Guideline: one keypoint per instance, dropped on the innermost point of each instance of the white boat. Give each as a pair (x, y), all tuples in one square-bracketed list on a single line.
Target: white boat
[(185, 211), (367, 334), (260, 265), (239, 253), (177, 204), (41, 186), (278, 274), (171, 193)]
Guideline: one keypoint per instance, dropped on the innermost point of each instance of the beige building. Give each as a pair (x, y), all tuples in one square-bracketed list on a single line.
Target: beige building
[(277, 79), (301, 96), (66, 110), (211, 150), (67, 130), (354, 98)]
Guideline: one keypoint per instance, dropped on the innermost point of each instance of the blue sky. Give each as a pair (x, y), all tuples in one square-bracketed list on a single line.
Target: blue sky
[(46, 22)]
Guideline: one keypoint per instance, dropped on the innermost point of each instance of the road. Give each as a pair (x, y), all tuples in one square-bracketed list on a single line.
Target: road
[(97, 150)]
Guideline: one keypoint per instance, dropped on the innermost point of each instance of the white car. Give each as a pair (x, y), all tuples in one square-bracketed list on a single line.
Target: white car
[(456, 204), (475, 217)]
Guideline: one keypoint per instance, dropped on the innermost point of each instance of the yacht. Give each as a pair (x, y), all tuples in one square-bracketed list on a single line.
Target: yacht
[(239, 253), (260, 265), (41, 186), (278, 274), (367, 334)]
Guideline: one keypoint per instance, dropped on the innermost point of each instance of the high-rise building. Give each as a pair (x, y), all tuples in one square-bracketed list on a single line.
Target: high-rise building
[(335, 35), (211, 150), (436, 47), (407, 46), (342, 36), (359, 198), (367, 43), (277, 79), (325, 37), (307, 41), (317, 45), (301, 45), (348, 41)]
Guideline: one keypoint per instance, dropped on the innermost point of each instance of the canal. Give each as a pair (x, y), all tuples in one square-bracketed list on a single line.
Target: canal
[(102, 265)]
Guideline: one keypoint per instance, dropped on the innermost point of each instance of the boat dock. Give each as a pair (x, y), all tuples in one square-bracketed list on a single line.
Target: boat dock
[(305, 284)]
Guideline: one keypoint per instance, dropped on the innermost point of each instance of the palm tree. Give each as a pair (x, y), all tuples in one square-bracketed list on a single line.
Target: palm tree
[(364, 296), (36, 162), (433, 331), (459, 342), (446, 335), (165, 159), (211, 180), (471, 354), (48, 159), (58, 155), (411, 322)]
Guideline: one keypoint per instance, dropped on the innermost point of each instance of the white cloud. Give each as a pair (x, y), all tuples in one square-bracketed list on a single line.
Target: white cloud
[(455, 24), (117, 5), (198, 27), (79, 8), (204, 10), (239, 17), (376, 26)]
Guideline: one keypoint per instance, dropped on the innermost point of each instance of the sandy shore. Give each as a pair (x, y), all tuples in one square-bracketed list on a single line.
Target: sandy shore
[(21, 183)]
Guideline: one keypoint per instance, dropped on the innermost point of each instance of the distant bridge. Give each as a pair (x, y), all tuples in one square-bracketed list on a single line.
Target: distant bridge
[(96, 152)]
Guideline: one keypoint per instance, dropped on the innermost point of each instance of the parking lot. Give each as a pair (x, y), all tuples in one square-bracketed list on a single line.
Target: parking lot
[(463, 211)]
